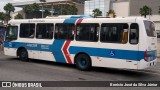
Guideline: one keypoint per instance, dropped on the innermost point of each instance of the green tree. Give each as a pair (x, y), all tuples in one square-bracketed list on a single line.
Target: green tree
[(145, 10), (46, 13), (8, 8), (111, 13), (31, 10), (35, 9), (28, 10), (2, 16), (67, 10), (18, 16), (97, 12), (72, 10)]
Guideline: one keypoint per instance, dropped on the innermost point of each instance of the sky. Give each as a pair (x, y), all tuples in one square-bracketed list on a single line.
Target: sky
[(4, 2)]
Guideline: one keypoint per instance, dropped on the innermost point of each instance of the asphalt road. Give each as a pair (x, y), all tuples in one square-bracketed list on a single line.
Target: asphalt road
[(12, 69)]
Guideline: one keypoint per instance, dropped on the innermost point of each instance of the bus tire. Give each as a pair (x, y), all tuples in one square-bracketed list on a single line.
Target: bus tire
[(83, 62), (23, 54)]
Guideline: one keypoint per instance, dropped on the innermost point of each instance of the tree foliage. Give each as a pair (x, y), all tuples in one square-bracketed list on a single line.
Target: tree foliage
[(8, 8), (72, 10), (111, 13), (27, 9), (46, 13), (2, 16), (67, 10), (145, 10), (97, 12), (32, 9), (35, 7), (18, 16)]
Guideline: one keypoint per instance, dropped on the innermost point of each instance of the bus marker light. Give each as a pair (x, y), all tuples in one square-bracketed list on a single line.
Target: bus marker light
[(145, 56)]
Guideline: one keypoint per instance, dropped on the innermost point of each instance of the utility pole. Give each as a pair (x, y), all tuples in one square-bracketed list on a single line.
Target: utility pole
[(42, 6), (149, 12), (52, 11)]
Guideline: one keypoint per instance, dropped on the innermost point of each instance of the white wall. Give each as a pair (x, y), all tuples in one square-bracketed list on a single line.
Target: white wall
[(121, 9), (157, 25), (106, 6), (156, 20)]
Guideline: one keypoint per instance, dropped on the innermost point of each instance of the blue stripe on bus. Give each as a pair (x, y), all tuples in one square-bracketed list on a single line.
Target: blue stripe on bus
[(112, 53), (81, 16), (70, 20), (57, 50), (108, 53), (28, 46), (99, 52)]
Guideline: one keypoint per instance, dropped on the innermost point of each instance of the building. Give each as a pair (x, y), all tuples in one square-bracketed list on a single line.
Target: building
[(124, 8), (127, 8), (103, 5), (50, 5)]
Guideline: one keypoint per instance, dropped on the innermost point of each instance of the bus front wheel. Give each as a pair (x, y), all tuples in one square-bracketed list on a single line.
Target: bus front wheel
[(83, 62), (23, 55)]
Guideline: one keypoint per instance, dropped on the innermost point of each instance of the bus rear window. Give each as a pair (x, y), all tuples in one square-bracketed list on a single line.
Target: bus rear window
[(150, 28)]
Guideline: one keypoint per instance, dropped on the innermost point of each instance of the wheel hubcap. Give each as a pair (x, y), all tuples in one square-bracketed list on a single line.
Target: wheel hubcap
[(23, 54), (83, 62)]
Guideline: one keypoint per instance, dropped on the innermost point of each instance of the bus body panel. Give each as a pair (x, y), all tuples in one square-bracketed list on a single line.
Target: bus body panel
[(114, 55), (148, 44), (10, 51)]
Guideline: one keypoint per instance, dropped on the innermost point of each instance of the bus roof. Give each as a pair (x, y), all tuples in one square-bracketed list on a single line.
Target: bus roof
[(73, 20)]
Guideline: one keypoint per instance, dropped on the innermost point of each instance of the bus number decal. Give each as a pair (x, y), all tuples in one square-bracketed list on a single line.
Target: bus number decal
[(46, 47), (32, 45)]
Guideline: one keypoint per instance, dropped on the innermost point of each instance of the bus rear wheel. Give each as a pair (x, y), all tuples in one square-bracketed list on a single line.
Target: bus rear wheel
[(23, 55), (83, 62)]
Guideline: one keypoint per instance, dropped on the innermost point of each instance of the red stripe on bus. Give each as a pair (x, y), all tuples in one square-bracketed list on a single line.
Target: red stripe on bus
[(79, 20), (67, 55)]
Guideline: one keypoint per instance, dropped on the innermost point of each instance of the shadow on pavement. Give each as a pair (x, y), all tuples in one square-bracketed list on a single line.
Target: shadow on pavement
[(123, 72)]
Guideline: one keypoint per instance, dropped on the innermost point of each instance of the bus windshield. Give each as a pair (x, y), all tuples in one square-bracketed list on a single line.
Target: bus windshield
[(11, 33), (150, 28)]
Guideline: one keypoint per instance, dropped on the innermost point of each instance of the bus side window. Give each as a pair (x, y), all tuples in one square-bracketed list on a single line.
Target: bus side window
[(134, 33), (27, 30), (87, 32), (44, 31), (11, 34), (64, 31), (114, 33), (94, 32)]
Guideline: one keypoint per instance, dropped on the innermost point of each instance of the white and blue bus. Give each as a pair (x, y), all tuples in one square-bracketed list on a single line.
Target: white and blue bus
[(127, 43)]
